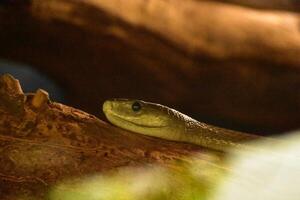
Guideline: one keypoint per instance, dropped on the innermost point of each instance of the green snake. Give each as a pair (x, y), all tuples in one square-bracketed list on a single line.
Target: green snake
[(163, 122)]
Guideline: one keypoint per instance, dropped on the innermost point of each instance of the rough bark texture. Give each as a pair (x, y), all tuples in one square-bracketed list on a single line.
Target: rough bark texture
[(43, 142)]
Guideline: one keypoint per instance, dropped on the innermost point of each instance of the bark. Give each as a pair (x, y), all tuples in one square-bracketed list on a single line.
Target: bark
[(43, 142)]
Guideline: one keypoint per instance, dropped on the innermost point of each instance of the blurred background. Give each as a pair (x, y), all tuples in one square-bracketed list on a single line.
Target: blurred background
[(231, 63)]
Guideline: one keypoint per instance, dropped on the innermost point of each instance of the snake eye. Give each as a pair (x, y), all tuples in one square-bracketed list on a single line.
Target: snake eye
[(136, 106)]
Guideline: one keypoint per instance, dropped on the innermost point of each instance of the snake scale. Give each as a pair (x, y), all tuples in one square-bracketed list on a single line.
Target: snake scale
[(163, 122)]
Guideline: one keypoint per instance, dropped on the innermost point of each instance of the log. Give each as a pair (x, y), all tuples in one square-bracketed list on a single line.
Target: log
[(44, 142)]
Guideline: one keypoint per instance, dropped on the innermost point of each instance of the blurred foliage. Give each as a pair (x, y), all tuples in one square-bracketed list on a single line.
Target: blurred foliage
[(189, 180)]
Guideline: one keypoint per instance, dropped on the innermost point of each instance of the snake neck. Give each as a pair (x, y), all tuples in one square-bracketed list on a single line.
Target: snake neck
[(214, 137), (209, 136)]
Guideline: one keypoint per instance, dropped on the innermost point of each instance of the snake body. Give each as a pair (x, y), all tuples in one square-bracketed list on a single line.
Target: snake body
[(163, 122)]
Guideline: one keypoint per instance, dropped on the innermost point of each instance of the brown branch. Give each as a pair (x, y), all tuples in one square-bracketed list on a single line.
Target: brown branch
[(216, 30), (50, 142)]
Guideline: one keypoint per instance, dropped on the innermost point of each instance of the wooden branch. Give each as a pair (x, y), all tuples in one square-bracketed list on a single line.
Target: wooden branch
[(201, 28), (43, 142)]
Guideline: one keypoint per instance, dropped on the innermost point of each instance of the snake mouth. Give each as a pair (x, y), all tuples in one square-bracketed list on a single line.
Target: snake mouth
[(118, 118)]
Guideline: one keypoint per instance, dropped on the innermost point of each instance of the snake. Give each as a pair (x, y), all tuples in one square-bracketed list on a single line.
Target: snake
[(156, 120)]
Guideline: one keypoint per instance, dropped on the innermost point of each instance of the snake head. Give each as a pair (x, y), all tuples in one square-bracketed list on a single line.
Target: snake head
[(143, 117)]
